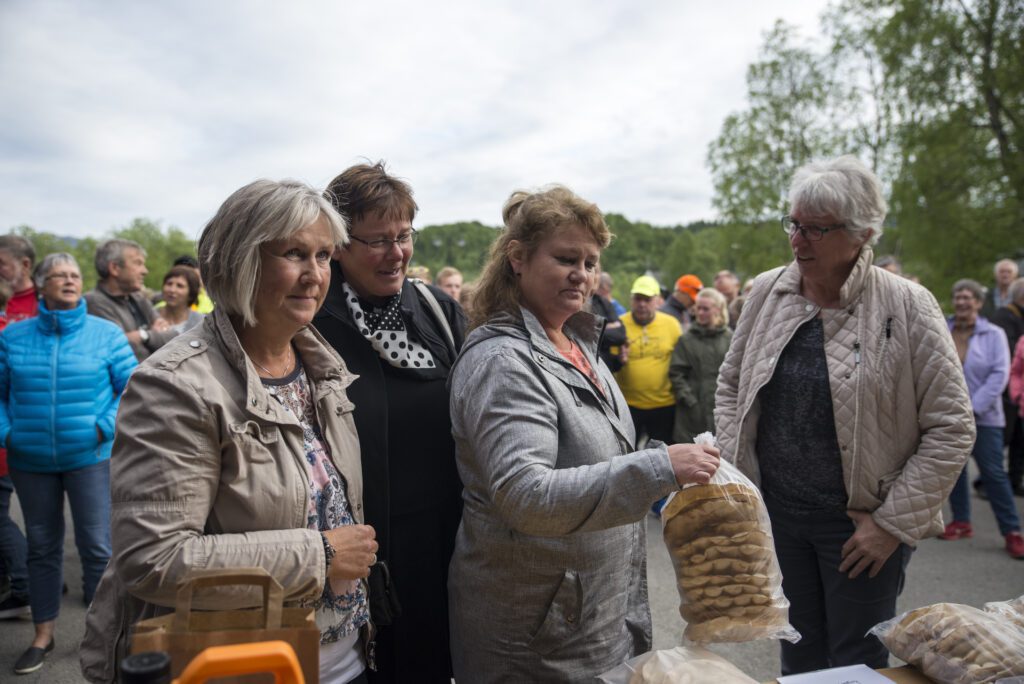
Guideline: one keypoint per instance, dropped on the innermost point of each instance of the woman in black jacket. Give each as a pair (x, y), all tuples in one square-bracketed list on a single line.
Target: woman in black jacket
[(401, 337)]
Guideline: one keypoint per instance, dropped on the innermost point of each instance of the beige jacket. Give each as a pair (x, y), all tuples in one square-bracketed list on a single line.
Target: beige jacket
[(902, 412), (208, 471)]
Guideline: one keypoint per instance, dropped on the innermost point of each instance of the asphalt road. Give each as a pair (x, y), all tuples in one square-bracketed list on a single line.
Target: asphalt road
[(972, 571)]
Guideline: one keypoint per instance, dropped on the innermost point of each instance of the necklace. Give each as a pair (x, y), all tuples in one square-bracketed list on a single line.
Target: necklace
[(288, 364)]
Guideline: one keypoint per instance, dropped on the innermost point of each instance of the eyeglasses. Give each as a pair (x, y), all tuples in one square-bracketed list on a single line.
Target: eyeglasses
[(74, 277), (383, 245), (812, 233)]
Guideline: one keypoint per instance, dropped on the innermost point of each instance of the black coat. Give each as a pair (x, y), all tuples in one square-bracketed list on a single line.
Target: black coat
[(411, 488)]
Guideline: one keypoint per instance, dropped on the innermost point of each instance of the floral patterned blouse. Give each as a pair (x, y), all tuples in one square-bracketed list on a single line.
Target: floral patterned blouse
[(342, 609)]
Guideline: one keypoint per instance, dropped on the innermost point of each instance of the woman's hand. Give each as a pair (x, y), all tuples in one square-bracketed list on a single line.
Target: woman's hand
[(869, 547), (355, 550), (693, 463)]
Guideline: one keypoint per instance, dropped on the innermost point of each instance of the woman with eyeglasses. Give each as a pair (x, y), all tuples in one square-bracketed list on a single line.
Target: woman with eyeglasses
[(843, 397), (61, 378), (401, 338)]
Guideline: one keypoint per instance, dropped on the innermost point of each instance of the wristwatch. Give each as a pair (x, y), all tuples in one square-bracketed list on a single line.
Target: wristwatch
[(144, 335)]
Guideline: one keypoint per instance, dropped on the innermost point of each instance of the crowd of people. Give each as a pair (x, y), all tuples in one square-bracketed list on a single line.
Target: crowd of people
[(453, 474)]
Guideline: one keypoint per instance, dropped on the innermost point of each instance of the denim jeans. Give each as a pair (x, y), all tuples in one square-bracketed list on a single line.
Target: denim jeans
[(42, 502), (988, 454), (832, 612), (13, 549)]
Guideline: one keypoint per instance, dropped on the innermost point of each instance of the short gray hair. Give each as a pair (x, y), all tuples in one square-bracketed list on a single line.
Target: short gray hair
[(999, 263), (844, 188), (44, 267), (260, 212), (1016, 290), (973, 286), (112, 252)]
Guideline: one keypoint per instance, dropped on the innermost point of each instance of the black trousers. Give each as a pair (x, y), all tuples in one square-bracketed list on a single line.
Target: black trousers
[(831, 611), (656, 423)]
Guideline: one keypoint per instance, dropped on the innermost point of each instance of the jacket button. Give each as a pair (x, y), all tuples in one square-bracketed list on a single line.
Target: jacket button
[(809, 307), (570, 619), (195, 344), (253, 402)]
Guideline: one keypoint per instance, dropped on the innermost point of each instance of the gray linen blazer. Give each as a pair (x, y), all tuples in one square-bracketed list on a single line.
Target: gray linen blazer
[(548, 581)]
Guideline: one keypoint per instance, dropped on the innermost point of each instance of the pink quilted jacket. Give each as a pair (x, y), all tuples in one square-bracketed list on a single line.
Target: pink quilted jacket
[(902, 412)]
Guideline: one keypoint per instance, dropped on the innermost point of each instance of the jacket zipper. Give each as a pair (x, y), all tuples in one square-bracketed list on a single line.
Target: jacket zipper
[(54, 365)]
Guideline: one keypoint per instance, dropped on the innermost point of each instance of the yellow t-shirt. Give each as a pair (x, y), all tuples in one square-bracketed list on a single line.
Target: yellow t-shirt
[(644, 379)]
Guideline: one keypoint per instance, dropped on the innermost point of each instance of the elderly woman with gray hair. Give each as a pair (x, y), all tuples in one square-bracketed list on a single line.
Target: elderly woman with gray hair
[(61, 376), (236, 446), (985, 356), (843, 397)]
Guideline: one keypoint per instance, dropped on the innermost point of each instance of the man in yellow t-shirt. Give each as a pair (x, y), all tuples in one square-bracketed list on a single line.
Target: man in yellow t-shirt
[(651, 335)]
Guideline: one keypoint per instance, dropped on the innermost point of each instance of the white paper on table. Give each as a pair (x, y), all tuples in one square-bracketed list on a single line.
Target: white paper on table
[(851, 674)]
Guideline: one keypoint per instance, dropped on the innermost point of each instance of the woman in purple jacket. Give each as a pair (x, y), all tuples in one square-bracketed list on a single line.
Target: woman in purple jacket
[(985, 355)]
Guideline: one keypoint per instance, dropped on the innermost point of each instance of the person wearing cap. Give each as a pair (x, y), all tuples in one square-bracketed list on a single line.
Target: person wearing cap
[(680, 304), (651, 335)]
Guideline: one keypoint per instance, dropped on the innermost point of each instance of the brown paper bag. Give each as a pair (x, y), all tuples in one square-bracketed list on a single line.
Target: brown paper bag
[(184, 634)]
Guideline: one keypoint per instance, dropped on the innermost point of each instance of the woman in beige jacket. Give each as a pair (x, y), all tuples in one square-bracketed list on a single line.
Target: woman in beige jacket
[(235, 444), (843, 397)]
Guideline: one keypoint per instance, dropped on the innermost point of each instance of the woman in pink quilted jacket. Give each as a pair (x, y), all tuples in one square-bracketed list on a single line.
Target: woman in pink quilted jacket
[(842, 395)]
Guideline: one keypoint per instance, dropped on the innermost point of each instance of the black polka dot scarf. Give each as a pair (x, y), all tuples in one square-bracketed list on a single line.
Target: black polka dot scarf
[(384, 329)]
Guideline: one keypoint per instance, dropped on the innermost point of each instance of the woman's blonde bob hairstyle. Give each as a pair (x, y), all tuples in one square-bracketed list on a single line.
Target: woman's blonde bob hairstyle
[(530, 218), (720, 315), (260, 212)]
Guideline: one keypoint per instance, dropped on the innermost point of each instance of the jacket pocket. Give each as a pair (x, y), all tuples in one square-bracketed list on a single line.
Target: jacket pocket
[(885, 484), (563, 616), (255, 441)]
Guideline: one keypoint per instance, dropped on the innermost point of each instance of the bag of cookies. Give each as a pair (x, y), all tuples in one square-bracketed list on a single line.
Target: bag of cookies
[(951, 642), (1011, 611), (720, 541), (679, 665)]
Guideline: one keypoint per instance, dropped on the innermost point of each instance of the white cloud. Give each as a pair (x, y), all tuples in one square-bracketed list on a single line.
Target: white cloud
[(123, 109)]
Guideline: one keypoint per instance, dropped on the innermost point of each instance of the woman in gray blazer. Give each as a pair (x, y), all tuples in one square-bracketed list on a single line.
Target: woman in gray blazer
[(548, 580)]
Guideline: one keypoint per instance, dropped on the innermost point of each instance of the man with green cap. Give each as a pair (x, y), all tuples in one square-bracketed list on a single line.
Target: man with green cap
[(644, 382)]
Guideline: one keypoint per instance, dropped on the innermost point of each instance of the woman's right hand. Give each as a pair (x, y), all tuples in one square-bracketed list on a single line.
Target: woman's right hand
[(693, 463), (355, 550)]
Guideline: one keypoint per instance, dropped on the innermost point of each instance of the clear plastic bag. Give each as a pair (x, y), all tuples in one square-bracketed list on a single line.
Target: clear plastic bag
[(680, 665), (1011, 611), (954, 643), (720, 541)]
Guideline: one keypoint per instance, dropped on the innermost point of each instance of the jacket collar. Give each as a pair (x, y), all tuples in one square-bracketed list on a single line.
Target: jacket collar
[(322, 364), (982, 326), (61, 321), (789, 281)]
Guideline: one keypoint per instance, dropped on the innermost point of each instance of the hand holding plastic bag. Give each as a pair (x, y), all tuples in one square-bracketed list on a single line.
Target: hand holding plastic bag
[(720, 541)]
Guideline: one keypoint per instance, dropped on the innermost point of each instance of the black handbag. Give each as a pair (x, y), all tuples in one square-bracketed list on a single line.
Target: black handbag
[(384, 605)]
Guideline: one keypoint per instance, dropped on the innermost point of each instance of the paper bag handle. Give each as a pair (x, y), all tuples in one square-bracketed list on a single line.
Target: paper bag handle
[(273, 593)]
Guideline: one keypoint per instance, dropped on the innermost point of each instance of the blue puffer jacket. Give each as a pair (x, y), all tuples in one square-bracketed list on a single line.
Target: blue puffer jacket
[(61, 377)]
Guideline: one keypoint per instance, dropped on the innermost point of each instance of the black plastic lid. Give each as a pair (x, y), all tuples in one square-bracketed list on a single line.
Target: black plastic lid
[(153, 667)]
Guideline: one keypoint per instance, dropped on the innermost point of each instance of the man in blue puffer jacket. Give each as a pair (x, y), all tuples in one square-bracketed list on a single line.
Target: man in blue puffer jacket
[(61, 377)]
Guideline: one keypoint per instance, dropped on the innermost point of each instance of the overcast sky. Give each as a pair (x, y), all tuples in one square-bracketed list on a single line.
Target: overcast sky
[(113, 110)]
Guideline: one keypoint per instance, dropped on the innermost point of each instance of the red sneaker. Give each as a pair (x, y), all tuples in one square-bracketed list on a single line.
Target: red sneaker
[(958, 530), (1015, 545)]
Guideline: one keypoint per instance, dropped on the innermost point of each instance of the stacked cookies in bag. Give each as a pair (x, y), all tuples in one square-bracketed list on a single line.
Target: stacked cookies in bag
[(951, 642), (719, 538)]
